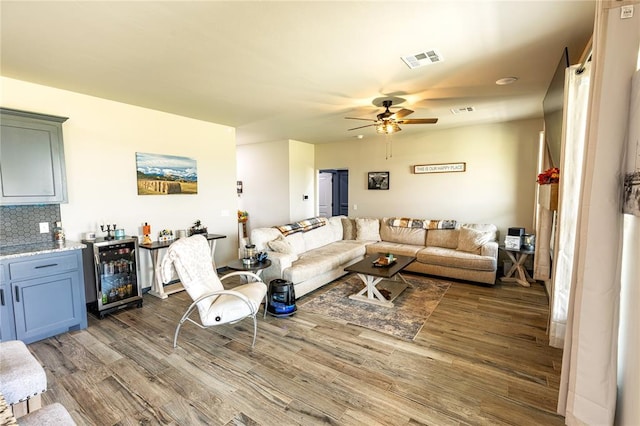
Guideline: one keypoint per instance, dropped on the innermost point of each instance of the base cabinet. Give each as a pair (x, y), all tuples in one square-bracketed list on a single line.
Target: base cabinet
[(43, 296)]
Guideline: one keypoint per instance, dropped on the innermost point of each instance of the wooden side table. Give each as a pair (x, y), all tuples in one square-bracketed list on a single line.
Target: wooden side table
[(518, 273)]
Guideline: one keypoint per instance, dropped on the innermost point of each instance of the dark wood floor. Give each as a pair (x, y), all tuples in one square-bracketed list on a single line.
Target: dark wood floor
[(482, 358)]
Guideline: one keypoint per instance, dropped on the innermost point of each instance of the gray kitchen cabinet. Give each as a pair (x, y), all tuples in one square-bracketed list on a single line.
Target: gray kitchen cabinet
[(7, 330), (43, 296), (32, 168)]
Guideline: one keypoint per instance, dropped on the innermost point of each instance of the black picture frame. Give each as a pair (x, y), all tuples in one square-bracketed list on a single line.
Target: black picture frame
[(378, 180)]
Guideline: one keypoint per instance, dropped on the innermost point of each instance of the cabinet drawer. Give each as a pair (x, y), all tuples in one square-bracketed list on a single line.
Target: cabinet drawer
[(49, 265)]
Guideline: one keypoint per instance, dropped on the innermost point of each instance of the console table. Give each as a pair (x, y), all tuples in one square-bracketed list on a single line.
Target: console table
[(157, 287), (518, 273)]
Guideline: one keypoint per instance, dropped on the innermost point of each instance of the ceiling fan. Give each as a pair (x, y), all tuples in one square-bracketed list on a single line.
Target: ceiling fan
[(388, 122)]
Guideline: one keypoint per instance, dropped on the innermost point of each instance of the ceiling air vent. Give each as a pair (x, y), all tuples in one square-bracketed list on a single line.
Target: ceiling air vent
[(424, 58), (461, 110)]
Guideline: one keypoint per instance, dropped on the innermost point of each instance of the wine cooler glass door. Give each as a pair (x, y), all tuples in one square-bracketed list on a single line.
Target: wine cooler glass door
[(118, 278)]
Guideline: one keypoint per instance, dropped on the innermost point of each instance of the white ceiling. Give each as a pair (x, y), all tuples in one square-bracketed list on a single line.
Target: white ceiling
[(294, 70)]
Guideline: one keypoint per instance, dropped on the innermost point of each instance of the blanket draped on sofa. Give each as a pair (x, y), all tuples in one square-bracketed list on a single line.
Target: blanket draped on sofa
[(302, 225)]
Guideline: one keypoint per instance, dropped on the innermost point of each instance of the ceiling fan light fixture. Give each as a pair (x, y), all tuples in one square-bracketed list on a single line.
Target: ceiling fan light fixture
[(387, 127)]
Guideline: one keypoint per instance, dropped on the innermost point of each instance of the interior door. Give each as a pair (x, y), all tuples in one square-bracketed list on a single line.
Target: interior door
[(325, 199)]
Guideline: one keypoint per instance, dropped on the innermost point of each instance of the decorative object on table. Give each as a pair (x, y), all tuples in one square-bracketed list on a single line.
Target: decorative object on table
[(146, 232), (166, 174), (197, 228), (262, 256), (386, 260), (513, 240), (378, 180), (58, 233), (439, 168), (181, 233), (528, 242), (165, 236), (110, 228), (249, 254)]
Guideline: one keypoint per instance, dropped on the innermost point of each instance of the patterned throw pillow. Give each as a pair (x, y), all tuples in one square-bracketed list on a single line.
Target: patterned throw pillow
[(281, 245), (367, 229), (471, 240), (348, 229)]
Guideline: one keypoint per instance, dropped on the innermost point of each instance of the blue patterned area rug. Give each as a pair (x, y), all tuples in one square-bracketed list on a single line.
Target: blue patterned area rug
[(411, 311)]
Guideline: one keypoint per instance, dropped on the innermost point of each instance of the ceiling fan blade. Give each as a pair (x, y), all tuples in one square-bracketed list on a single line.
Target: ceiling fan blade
[(419, 121), (361, 127), (356, 118), (403, 113)]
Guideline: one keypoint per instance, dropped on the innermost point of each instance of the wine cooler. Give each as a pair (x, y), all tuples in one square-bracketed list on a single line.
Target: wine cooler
[(111, 275)]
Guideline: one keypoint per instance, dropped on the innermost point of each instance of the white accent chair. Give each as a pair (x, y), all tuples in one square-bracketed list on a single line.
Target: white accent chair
[(191, 259)]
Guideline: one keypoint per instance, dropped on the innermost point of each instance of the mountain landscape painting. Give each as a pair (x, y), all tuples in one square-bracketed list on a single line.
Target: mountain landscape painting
[(159, 174)]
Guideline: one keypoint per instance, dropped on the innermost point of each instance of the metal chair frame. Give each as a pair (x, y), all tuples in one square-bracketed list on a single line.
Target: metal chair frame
[(194, 305)]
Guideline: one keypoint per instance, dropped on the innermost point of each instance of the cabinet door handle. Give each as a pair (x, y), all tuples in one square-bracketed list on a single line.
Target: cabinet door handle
[(46, 266), (1, 297), (17, 294)]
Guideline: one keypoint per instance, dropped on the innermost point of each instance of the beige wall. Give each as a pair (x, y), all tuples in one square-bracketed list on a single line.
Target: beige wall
[(301, 180), (101, 138), (263, 169), (498, 186)]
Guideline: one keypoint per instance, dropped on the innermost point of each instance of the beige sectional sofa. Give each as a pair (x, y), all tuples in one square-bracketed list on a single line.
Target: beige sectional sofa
[(317, 256)]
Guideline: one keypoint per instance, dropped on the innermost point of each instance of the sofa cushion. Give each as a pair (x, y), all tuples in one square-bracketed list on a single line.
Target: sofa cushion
[(348, 228), (323, 259), (297, 242), (399, 234), (319, 237), (261, 236), (447, 238), (471, 240), (395, 248), (367, 229), (456, 259)]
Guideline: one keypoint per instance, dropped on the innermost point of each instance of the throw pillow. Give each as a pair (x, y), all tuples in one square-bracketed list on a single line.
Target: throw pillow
[(471, 240), (367, 229), (281, 245), (348, 229)]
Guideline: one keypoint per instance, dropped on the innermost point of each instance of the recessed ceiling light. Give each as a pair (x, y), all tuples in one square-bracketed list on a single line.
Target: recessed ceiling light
[(506, 80), (359, 136)]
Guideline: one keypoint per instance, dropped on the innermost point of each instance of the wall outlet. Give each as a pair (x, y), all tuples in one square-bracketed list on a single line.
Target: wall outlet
[(355, 207), (44, 227)]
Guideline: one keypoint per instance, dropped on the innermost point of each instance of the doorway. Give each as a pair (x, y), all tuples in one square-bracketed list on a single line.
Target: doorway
[(333, 187)]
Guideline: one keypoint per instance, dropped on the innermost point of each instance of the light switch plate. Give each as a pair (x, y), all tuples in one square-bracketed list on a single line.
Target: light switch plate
[(44, 227), (626, 12)]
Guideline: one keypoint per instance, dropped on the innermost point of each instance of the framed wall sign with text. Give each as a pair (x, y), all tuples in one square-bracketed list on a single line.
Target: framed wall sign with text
[(440, 168)]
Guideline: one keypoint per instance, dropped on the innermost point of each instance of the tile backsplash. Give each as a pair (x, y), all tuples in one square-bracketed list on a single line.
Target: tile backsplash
[(21, 224)]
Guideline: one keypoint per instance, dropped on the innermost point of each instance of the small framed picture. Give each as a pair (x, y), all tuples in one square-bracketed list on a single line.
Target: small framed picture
[(378, 180)]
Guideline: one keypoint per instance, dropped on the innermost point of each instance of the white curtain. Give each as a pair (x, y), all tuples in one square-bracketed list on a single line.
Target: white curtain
[(588, 387), (571, 169)]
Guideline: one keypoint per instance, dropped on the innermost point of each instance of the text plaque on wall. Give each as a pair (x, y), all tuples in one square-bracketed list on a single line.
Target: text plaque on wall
[(439, 168)]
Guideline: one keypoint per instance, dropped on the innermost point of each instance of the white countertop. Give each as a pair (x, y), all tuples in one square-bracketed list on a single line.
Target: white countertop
[(10, 252)]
